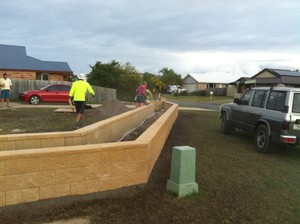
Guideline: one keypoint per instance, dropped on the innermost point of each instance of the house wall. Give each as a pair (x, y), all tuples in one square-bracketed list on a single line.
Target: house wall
[(27, 75), (202, 86), (19, 75), (56, 77), (190, 84), (232, 91), (265, 74), (220, 85)]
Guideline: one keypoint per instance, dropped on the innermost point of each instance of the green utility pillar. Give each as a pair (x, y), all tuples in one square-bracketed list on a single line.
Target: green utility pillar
[(182, 177)]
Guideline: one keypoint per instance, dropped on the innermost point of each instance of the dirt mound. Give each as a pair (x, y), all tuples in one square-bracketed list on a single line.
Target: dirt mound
[(111, 108)]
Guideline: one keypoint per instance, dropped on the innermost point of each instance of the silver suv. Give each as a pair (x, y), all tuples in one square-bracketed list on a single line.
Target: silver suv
[(271, 113)]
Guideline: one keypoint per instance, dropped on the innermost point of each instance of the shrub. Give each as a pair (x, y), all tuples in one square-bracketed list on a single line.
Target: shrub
[(198, 93)]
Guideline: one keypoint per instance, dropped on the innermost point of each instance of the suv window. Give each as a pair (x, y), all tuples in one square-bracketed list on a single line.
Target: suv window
[(296, 103), (245, 99), (276, 100), (258, 98)]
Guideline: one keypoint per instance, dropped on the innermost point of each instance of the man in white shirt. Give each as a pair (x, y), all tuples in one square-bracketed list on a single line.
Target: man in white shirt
[(6, 86)]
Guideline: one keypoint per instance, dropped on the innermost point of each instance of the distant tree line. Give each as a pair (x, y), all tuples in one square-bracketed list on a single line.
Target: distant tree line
[(125, 78)]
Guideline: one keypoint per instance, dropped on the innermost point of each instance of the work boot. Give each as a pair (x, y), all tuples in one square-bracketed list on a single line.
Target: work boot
[(76, 125)]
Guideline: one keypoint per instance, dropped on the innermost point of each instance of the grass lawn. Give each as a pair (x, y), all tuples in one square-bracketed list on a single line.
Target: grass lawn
[(236, 184)]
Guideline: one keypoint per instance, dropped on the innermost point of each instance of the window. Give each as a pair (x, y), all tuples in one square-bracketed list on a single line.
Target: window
[(245, 99), (296, 103), (276, 101), (42, 76), (258, 98), (53, 88), (65, 88)]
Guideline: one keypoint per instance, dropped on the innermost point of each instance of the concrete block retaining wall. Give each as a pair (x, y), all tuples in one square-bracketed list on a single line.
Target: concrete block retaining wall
[(108, 130), (89, 166)]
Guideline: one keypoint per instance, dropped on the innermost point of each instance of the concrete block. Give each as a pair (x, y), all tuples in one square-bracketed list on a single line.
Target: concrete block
[(2, 199), (14, 197), (55, 191), (183, 170), (2, 163), (84, 159), (104, 171), (31, 180), (96, 172), (136, 153), (26, 165), (91, 172), (111, 183), (111, 156), (31, 194), (28, 143), (69, 175), (52, 142), (2, 184), (13, 182), (136, 178), (7, 145), (55, 162), (85, 187), (128, 168)]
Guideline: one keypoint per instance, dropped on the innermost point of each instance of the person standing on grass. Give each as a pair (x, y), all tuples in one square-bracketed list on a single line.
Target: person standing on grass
[(141, 95), (6, 86), (78, 93)]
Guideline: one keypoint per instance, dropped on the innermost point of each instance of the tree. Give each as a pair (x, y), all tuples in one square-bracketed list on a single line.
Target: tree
[(124, 78), (170, 77), (150, 79), (105, 75)]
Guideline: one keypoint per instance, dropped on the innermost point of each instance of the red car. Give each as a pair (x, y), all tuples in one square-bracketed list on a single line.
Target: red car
[(55, 93)]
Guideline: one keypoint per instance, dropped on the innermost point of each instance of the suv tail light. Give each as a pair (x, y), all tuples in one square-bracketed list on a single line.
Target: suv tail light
[(288, 139)]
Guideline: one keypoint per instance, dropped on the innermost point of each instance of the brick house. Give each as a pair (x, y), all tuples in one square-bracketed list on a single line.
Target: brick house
[(15, 62), (269, 77)]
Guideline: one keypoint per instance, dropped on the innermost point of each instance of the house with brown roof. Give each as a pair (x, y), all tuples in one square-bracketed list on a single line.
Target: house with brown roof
[(269, 77), (15, 62)]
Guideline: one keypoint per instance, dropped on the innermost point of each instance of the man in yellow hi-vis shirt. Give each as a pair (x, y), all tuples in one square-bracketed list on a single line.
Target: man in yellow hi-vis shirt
[(78, 92)]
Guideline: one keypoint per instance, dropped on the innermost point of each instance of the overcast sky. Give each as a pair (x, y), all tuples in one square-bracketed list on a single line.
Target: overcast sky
[(188, 36)]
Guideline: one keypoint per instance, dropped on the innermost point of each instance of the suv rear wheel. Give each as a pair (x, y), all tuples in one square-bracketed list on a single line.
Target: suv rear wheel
[(262, 139)]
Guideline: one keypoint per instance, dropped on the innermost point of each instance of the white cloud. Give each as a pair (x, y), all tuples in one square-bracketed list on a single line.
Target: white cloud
[(189, 36)]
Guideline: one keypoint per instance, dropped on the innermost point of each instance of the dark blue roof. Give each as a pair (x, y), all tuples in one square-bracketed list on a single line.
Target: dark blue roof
[(285, 72), (15, 58)]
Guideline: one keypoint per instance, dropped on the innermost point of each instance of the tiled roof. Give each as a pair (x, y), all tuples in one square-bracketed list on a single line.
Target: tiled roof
[(15, 58), (282, 72)]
